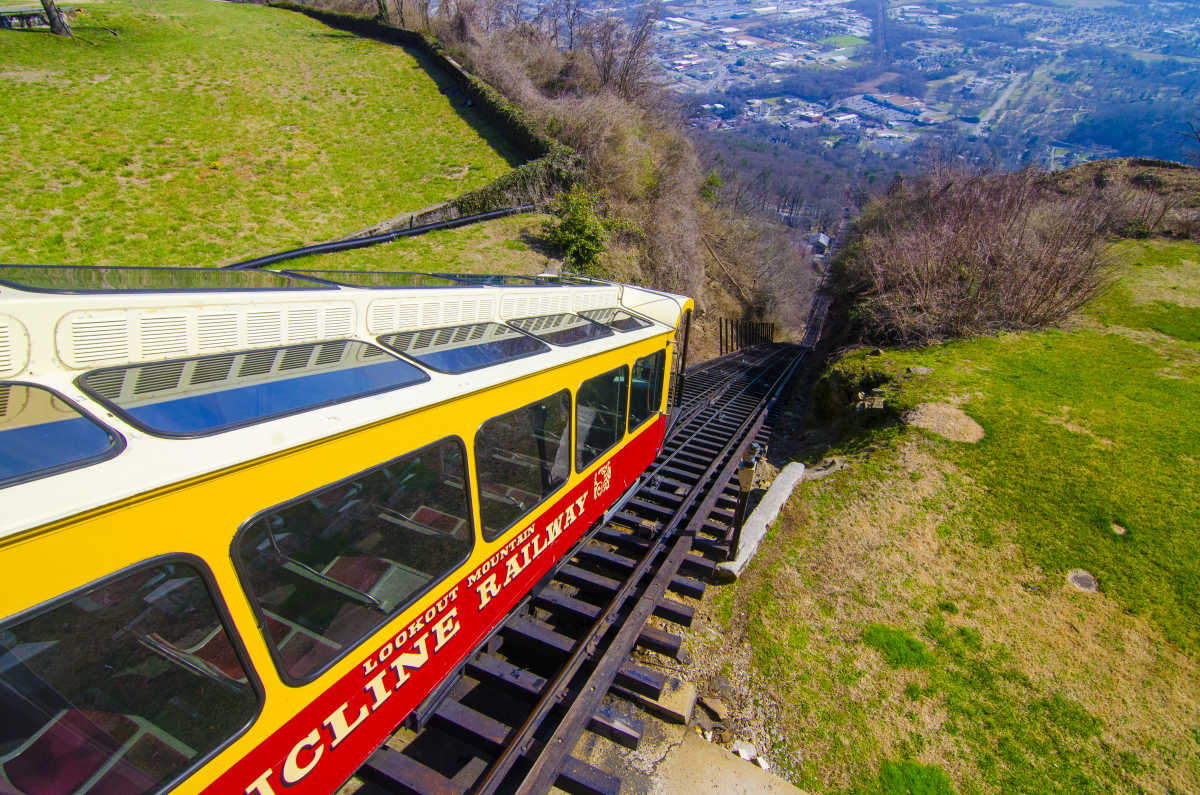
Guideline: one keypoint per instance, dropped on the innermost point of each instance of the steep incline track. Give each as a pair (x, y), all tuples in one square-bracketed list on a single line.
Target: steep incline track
[(508, 720)]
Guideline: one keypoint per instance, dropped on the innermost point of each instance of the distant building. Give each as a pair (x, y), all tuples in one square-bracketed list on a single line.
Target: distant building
[(820, 243)]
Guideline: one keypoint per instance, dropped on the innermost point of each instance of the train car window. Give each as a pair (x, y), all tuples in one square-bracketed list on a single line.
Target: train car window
[(522, 457), (40, 434), (209, 394), (458, 349), (328, 569), (599, 415), (121, 687), (564, 329), (645, 390), (616, 318)]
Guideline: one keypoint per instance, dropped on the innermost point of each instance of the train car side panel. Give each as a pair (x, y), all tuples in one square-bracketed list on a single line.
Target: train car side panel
[(330, 738)]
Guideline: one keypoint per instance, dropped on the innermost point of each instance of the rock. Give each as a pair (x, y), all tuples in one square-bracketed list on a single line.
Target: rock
[(715, 707), (744, 749), (919, 370), (763, 763), (702, 720), (722, 686)]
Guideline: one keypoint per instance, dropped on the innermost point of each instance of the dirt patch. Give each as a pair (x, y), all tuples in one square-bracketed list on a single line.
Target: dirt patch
[(874, 83), (945, 420), (31, 76), (1063, 419)]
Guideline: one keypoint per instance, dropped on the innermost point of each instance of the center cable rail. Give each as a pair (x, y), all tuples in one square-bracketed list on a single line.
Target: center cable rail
[(510, 718)]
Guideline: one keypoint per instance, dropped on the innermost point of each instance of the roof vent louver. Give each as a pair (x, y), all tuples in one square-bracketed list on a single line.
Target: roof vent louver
[(207, 371), (296, 357), (339, 321), (264, 328), (257, 363), (217, 332), (157, 377), (163, 336), (14, 346), (331, 352), (99, 340), (107, 384), (303, 324)]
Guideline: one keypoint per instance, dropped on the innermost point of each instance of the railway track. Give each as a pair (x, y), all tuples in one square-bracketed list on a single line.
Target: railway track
[(509, 718)]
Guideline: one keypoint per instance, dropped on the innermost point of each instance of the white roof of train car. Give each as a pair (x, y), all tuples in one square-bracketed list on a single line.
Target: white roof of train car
[(50, 338)]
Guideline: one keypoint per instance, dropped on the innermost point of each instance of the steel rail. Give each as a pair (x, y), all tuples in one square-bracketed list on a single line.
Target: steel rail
[(571, 636), (546, 767)]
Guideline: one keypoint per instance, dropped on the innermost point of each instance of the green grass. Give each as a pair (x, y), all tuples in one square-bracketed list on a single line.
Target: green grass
[(206, 132), (909, 778), (502, 245), (1159, 292), (910, 615), (837, 42), (1090, 428), (899, 649)]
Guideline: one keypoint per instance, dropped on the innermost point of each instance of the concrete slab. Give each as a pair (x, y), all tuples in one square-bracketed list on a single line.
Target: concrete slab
[(755, 527), (698, 767)]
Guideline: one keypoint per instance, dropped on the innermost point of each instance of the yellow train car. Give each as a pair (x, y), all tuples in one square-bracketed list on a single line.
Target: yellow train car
[(249, 520)]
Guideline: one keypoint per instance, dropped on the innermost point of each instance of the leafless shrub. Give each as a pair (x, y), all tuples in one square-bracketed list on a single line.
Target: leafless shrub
[(957, 254)]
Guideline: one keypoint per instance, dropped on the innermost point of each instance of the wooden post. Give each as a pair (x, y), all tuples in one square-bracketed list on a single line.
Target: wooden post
[(58, 25)]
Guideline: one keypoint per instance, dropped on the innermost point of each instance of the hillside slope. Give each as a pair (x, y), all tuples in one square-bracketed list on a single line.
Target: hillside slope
[(913, 625), (187, 132)]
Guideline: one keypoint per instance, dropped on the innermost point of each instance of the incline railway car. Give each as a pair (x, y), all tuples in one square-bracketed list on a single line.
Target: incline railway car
[(249, 520)]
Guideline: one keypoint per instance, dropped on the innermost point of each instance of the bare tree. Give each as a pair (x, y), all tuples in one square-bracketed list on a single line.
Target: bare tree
[(620, 53), (58, 23), (573, 17), (634, 73)]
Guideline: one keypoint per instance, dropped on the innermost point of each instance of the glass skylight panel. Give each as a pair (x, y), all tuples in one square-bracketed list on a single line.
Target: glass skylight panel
[(616, 318), (40, 433), (80, 279), (490, 279), (194, 397), (564, 329), (457, 349), (380, 279)]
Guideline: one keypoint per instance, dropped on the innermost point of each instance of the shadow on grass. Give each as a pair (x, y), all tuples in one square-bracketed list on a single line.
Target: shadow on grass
[(537, 243)]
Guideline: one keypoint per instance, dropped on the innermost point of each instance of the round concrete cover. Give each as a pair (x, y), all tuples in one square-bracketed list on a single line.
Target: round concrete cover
[(1083, 580)]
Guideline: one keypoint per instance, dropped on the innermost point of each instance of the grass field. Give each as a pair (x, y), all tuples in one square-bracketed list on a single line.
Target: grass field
[(190, 132), (910, 626), (837, 42), (503, 245)]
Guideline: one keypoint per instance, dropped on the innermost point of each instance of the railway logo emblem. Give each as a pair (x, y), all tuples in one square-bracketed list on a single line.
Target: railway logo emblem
[(603, 479)]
